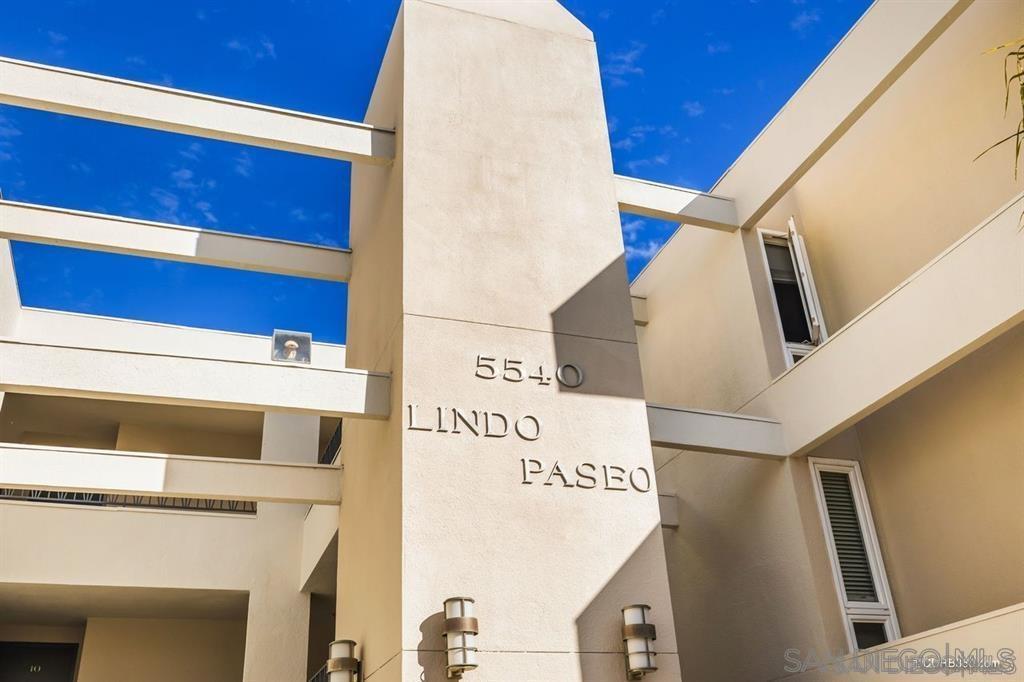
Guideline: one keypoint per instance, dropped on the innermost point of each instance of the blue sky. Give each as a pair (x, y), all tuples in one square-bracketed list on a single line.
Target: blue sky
[(687, 86)]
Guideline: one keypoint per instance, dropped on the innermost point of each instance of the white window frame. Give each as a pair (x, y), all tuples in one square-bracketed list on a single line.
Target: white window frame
[(808, 292), (882, 611)]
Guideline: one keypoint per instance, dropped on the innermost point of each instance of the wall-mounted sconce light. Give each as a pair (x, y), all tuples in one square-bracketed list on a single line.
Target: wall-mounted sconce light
[(343, 666), (460, 631), (638, 635)]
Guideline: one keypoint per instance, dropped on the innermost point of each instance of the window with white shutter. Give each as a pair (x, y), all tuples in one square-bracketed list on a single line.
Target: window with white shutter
[(861, 584), (801, 323)]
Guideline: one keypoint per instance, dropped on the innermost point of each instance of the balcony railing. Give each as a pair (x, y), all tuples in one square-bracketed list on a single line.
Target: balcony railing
[(135, 501)]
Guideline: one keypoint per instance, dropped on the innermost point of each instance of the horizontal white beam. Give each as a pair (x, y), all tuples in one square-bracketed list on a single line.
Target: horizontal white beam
[(98, 232), (44, 369), (703, 431), (883, 44), (63, 91), (33, 467), (62, 328), (969, 295), (665, 202)]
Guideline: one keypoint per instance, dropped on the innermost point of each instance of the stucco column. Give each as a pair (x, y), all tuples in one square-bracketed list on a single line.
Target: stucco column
[(277, 627), (10, 301), (489, 279)]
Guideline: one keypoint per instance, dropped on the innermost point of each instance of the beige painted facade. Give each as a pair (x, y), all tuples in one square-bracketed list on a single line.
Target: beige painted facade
[(521, 425), (884, 211)]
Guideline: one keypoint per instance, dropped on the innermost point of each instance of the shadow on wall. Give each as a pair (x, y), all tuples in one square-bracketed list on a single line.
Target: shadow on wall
[(640, 580), (589, 327), (430, 653), (738, 567)]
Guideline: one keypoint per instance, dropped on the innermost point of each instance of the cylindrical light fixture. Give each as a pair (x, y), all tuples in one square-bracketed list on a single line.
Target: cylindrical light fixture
[(343, 666), (460, 631), (638, 635)]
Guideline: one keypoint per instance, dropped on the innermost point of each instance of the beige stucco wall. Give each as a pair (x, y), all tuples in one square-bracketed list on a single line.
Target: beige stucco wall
[(944, 469), (901, 185), (748, 566), (162, 650), (183, 441)]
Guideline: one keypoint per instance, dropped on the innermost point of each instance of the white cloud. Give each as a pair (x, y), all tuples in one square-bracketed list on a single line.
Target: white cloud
[(298, 215), (638, 134), (56, 38), (719, 47), (206, 209), (643, 251), (8, 129), (262, 48), (803, 21), (192, 152), (631, 229), (168, 204), (183, 178), (244, 165), (693, 108), (80, 167), (623, 63), (725, 92), (658, 160)]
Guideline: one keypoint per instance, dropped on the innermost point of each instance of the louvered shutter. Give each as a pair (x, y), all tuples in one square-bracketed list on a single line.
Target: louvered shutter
[(848, 536)]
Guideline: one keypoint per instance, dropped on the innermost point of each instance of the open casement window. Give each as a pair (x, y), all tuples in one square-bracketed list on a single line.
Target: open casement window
[(801, 323), (861, 583)]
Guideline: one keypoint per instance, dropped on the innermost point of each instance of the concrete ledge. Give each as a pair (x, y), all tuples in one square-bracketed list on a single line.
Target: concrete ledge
[(703, 431), (992, 632), (135, 473), (967, 296), (48, 369), (113, 234), (76, 93), (666, 202)]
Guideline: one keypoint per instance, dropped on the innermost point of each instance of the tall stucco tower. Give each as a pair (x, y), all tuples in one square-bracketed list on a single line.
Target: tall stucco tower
[(516, 465)]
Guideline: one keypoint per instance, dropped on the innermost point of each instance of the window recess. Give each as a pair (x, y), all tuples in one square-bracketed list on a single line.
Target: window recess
[(861, 584), (798, 310)]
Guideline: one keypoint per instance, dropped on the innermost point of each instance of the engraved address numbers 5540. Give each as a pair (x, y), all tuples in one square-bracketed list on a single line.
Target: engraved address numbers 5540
[(516, 371)]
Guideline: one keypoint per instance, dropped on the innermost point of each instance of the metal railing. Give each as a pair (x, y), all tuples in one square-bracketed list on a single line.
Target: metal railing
[(135, 501)]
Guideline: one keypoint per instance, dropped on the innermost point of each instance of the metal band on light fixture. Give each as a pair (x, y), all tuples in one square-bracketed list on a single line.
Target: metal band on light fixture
[(343, 666), (460, 631), (638, 635)]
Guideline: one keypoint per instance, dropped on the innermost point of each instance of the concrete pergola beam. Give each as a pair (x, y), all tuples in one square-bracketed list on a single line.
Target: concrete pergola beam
[(703, 431), (76, 93), (667, 202), (113, 234), (32, 467), (46, 369)]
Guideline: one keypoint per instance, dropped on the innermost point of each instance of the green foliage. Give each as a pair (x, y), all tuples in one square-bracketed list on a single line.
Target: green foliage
[(1015, 81)]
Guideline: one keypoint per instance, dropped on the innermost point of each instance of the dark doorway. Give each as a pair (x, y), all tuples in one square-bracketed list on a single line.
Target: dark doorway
[(37, 662)]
